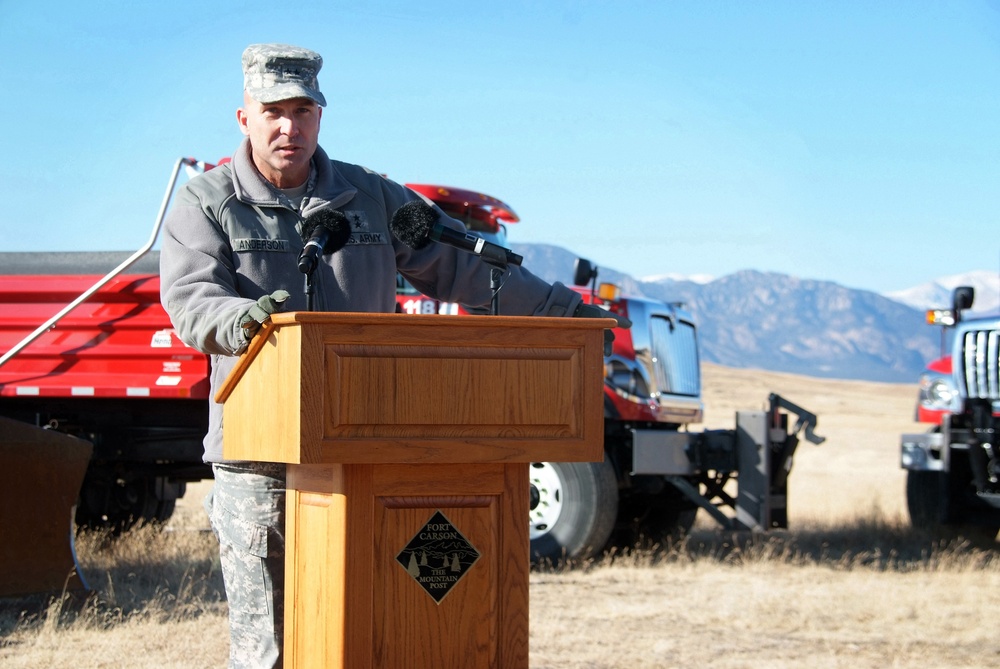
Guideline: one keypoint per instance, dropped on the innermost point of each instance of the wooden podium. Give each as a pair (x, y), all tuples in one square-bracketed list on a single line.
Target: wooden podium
[(408, 440)]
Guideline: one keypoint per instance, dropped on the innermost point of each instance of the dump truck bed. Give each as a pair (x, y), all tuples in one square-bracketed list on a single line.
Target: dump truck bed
[(118, 343)]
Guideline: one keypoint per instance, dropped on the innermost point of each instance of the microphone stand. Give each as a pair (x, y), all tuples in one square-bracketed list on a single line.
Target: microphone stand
[(497, 268), (309, 290)]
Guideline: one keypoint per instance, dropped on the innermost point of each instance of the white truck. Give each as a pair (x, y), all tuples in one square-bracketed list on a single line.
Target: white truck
[(953, 470)]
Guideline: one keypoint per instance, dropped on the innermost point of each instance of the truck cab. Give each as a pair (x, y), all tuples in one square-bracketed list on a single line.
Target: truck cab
[(953, 471)]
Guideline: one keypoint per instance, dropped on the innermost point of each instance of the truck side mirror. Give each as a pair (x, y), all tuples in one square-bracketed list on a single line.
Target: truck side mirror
[(583, 272), (962, 299)]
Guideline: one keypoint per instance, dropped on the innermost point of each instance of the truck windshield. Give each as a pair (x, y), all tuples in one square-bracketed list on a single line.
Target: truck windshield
[(676, 361)]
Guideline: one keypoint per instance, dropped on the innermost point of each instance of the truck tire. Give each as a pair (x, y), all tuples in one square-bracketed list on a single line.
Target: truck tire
[(936, 505), (118, 503), (573, 509), (927, 499)]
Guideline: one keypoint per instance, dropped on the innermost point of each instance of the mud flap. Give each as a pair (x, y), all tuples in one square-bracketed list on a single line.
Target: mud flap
[(41, 472)]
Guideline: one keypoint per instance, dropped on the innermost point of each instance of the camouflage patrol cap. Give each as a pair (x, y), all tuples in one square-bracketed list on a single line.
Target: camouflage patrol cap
[(274, 72)]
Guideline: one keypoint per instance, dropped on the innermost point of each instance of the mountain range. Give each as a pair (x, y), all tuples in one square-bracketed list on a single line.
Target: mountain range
[(782, 323)]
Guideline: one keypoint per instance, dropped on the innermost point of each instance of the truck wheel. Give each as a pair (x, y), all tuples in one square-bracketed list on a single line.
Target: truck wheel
[(927, 499), (118, 503), (936, 507), (573, 509)]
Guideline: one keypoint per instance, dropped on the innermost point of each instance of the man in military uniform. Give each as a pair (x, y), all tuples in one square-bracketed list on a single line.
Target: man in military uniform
[(229, 260)]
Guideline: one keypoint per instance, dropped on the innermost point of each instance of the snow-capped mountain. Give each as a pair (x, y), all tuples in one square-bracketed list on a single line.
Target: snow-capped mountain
[(937, 294), (694, 278)]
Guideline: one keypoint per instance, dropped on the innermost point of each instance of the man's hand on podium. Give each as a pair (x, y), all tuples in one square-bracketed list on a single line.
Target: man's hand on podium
[(260, 312), (593, 311)]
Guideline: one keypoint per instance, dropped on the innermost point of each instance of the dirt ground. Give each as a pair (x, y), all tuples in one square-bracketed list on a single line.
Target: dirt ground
[(852, 599)]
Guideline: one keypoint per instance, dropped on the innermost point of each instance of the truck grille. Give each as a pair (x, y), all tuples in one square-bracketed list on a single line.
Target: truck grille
[(675, 363), (980, 363)]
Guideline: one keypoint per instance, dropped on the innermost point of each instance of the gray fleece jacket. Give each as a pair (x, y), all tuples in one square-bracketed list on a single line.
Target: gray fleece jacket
[(231, 238)]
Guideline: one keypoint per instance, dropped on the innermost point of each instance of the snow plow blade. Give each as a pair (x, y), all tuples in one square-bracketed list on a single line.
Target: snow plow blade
[(41, 472)]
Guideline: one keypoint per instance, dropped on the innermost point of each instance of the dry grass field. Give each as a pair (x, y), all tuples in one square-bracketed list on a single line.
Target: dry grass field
[(848, 585)]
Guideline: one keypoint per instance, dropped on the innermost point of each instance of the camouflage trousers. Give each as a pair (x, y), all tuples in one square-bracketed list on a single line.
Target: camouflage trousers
[(247, 511)]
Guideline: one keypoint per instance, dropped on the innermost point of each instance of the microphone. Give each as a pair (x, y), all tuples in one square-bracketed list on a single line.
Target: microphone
[(416, 225), (324, 232)]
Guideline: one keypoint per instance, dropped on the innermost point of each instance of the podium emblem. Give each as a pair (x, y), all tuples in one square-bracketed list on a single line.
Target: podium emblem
[(438, 556)]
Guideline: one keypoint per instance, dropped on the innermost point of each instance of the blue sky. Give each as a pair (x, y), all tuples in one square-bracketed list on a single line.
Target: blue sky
[(856, 142)]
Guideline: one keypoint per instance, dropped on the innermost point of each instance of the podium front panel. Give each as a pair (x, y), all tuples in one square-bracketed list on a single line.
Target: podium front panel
[(481, 620), (398, 566)]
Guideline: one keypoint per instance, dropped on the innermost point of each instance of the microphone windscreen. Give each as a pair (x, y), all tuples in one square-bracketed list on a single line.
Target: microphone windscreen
[(412, 223), (337, 226)]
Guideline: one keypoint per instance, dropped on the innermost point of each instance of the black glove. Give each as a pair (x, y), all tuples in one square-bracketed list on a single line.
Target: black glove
[(261, 311), (592, 311), (584, 310)]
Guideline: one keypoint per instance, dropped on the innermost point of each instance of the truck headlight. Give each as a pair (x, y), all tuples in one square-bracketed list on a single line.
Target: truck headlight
[(937, 391)]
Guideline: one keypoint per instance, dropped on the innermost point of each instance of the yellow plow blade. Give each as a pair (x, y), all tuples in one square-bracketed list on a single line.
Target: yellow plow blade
[(41, 472)]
